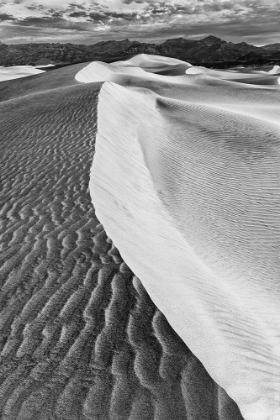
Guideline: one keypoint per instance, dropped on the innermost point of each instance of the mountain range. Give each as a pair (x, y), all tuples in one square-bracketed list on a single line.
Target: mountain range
[(209, 51)]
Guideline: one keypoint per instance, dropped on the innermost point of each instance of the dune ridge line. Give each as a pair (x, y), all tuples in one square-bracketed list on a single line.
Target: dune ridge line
[(185, 180), (80, 337)]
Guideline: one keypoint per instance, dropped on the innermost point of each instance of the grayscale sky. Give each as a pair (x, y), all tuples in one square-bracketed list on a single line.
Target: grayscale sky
[(87, 22)]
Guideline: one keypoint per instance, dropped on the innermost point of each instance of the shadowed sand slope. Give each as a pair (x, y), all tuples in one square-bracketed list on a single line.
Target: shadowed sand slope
[(80, 337), (191, 169)]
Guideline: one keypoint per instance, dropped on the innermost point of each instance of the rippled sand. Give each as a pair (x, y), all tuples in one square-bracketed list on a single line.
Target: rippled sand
[(186, 181), (80, 337)]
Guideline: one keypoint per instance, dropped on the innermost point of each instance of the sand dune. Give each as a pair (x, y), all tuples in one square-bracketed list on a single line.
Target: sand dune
[(249, 77), (44, 66), (80, 337), (158, 64), (9, 73), (121, 71), (275, 70), (98, 71), (186, 182)]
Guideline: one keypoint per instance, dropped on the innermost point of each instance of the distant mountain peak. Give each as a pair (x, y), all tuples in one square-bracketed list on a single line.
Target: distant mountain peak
[(211, 39)]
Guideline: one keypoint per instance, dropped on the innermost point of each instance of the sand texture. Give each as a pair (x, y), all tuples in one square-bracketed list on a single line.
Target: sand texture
[(15, 72), (80, 336), (186, 182)]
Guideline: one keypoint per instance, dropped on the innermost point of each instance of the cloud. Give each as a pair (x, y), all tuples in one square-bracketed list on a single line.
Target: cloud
[(80, 20), (6, 17), (80, 14)]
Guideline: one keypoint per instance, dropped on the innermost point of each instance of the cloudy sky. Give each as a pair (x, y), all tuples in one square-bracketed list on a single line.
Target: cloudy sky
[(88, 22)]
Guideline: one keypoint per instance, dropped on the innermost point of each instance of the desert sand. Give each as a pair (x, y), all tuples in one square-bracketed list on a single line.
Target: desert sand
[(86, 327), (191, 169), (15, 72)]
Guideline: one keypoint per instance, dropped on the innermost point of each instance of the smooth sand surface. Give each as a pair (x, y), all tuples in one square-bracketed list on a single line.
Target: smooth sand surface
[(44, 66), (186, 181), (158, 64), (275, 70), (15, 72), (153, 68), (80, 337)]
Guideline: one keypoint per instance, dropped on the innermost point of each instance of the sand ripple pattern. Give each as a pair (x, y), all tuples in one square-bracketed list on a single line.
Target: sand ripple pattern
[(80, 337), (186, 181)]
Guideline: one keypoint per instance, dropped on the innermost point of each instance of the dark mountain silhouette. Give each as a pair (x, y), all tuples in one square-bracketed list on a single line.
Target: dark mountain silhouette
[(210, 51), (272, 47), (207, 50)]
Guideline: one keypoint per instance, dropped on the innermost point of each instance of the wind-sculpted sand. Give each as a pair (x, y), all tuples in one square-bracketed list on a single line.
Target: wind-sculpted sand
[(15, 72), (186, 181), (80, 337)]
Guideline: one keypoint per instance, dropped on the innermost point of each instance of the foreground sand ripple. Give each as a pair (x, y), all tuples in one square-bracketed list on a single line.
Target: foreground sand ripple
[(80, 337)]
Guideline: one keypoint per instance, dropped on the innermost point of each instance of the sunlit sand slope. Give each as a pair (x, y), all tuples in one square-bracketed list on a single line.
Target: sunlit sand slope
[(15, 72), (275, 70), (80, 337), (148, 67), (158, 64), (186, 181)]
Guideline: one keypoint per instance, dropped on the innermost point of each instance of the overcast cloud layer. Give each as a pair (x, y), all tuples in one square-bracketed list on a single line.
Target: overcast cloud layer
[(88, 22)]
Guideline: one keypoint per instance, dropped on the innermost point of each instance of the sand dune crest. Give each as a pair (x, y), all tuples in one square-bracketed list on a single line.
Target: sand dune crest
[(80, 338), (189, 172), (192, 172)]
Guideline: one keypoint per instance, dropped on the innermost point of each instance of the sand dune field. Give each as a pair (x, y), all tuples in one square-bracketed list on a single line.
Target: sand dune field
[(94, 332)]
